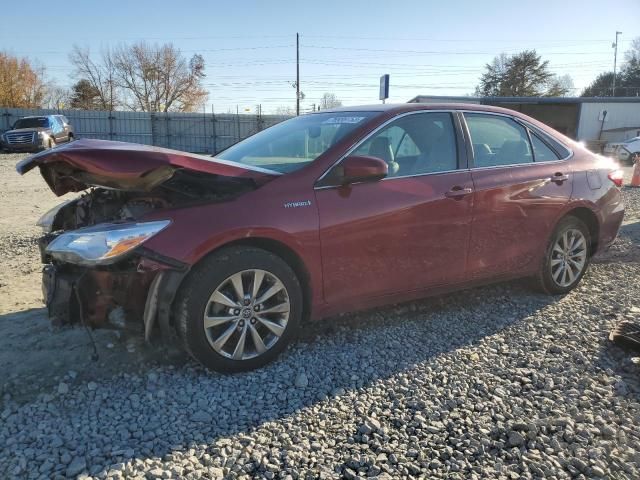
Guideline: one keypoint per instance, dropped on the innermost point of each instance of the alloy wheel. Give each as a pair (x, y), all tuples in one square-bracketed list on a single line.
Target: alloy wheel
[(246, 314), (568, 257)]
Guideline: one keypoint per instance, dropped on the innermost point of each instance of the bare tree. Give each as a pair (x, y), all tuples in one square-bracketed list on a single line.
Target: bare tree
[(56, 96), (282, 110), (560, 86), (329, 100), (100, 75), (158, 78)]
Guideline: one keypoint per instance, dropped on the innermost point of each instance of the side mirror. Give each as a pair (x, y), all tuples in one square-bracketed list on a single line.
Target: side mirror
[(357, 168)]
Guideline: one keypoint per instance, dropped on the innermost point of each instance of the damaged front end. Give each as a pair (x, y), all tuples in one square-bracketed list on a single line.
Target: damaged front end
[(108, 291), (97, 270)]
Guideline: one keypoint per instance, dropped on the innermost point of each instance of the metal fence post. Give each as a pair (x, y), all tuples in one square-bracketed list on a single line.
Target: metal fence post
[(213, 124), (168, 128), (259, 122), (238, 122), (6, 115), (152, 119), (111, 118)]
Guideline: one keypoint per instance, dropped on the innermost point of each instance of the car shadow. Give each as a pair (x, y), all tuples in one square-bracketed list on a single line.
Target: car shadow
[(339, 358)]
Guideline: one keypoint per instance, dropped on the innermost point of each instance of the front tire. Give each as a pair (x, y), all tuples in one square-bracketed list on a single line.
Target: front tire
[(238, 309), (566, 258)]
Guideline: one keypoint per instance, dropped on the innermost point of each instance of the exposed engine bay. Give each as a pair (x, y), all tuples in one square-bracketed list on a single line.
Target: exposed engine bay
[(184, 188)]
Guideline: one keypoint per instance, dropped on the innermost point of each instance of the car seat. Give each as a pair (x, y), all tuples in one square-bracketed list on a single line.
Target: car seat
[(381, 148)]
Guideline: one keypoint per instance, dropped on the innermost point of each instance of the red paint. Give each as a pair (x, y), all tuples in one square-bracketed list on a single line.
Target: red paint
[(129, 163), (391, 240), (363, 168)]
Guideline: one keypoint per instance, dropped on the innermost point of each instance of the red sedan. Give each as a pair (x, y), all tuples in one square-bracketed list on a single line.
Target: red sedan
[(325, 213)]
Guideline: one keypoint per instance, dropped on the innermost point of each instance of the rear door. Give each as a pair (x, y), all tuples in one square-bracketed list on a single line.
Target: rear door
[(408, 231), (521, 184)]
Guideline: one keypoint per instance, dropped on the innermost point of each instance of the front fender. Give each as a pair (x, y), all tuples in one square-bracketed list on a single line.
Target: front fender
[(197, 231)]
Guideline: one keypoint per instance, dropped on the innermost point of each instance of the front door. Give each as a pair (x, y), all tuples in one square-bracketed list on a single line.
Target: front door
[(408, 231)]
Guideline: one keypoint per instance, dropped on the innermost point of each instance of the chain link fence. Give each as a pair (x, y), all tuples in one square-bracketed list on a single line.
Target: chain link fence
[(190, 132)]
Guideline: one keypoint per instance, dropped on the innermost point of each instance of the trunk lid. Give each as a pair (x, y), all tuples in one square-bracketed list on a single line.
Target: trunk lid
[(78, 165)]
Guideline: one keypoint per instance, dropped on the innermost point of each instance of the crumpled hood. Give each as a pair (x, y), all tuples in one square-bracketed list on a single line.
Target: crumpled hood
[(78, 165)]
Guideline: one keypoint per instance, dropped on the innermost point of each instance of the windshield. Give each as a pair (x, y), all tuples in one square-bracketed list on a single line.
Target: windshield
[(294, 143), (35, 122)]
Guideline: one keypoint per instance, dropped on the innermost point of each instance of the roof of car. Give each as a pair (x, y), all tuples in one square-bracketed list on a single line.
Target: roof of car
[(409, 107)]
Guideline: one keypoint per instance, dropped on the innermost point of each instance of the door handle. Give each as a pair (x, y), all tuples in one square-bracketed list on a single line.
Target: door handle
[(559, 177), (458, 192)]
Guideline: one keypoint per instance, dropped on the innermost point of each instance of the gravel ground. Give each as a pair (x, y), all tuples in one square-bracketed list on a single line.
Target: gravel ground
[(494, 382)]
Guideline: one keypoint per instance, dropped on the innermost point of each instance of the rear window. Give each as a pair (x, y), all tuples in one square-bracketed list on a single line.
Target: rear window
[(559, 148), (541, 151), (34, 122)]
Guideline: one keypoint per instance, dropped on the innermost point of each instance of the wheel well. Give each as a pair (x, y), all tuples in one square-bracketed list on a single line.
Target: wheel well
[(591, 221), (289, 256)]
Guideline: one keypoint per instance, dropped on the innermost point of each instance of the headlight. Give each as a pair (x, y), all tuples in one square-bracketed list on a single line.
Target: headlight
[(102, 244), (46, 220)]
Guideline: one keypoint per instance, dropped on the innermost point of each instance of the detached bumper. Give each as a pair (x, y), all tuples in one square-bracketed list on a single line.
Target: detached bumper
[(142, 286)]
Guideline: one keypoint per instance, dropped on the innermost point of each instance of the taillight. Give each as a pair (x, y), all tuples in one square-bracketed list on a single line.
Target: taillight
[(616, 176)]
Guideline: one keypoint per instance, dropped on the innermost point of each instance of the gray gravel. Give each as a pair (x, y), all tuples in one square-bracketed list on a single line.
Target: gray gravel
[(495, 382)]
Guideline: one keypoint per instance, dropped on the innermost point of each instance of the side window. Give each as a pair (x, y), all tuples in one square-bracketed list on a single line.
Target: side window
[(557, 146), (541, 152), (415, 144), (55, 124), (407, 147), (497, 140)]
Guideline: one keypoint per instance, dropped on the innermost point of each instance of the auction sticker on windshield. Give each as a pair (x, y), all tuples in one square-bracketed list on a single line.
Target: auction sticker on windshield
[(344, 120)]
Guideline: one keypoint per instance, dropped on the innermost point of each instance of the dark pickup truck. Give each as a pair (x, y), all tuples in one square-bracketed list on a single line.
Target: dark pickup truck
[(30, 134)]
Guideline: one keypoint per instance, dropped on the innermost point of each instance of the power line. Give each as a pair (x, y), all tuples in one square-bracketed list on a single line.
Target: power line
[(436, 52), (423, 39)]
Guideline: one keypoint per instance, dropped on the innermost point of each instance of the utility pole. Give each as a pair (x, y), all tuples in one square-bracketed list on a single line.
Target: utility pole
[(297, 74), (615, 60)]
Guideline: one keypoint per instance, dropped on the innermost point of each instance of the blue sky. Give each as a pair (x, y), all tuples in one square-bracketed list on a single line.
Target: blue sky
[(432, 48)]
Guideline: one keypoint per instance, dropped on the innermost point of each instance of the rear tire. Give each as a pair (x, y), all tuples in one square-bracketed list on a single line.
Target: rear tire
[(566, 257), (240, 334)]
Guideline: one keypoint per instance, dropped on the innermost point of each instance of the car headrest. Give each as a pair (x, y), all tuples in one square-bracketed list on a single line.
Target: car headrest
[(381, 148)]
